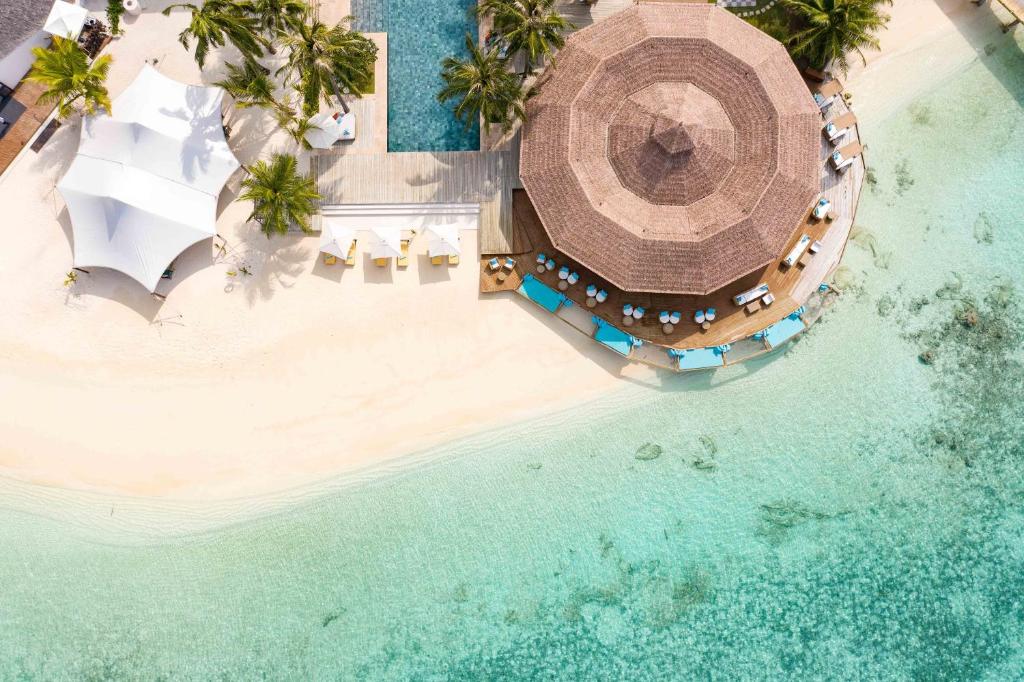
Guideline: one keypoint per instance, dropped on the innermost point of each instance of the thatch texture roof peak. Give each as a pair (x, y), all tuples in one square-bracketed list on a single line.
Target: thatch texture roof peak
[(672, 148)]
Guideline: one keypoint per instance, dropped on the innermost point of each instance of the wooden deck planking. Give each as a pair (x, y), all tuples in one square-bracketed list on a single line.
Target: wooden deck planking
[(582, 15), (1016, 9), (22, 130), (427, 177)]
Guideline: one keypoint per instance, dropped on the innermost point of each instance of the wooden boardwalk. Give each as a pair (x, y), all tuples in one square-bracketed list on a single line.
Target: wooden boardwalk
[(582, 15), (486, 178), (22, 130), (792, 286), (1015, 8)]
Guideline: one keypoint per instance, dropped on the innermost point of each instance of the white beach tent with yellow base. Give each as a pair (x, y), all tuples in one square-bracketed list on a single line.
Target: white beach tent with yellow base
[(338, 240), (145, 182)]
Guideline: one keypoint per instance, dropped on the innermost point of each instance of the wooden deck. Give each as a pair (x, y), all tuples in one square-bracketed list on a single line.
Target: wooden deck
[(486, 178), (22, 130), (792, 287), (1015, 8), (582, 15)]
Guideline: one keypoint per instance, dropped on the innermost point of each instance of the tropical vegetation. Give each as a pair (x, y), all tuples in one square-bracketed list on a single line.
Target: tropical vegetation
[(249, 86), (216, 23), (532, 28), (828, 31), (276, 17), (325, 61), (64, 70), (281, 196), (482, 87), (115, 10), (291, 120)]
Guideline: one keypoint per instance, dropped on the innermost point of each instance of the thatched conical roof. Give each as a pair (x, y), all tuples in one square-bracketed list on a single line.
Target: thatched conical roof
[(673, 148)]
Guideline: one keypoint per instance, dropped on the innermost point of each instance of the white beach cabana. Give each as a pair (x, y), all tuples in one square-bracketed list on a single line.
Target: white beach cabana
[(145, 182), (444, 240), (386, 242), (336, 239), (65, 20)]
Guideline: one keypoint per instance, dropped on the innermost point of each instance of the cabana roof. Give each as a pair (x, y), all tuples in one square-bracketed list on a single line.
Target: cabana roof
[(673, 148), (144, 184)]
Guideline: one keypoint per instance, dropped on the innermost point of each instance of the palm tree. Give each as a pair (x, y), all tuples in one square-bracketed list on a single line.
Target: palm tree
[(325, 61), (65, 71), (281, 196), (483, 87), (219, 22), (276, 17), (835, 28), (249, 85), (295, 124), (532, 27)]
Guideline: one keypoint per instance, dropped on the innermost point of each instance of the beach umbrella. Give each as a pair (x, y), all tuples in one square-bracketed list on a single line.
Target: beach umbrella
[(325, 133), (336, 239), (444, 240), (65, 20), (387, 242)]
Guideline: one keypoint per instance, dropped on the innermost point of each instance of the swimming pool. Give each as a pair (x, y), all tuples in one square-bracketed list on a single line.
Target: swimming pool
[(420, 35)]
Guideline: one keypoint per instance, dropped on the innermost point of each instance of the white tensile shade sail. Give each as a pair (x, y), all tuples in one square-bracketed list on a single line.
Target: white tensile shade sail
[(326, 132), (336, 239), (144, 184), (444, 240), (65, 20), (387, 243)]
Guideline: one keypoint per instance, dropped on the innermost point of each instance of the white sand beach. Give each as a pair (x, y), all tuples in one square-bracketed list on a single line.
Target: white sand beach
[(240, 385)]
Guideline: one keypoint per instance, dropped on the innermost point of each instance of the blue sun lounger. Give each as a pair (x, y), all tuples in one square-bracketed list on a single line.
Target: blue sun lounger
[(614, 338), (698, 358), (783, 330), (541, 294)]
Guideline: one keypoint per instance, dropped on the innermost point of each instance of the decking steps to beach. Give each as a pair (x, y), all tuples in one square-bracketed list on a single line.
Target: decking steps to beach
[(484, 178)]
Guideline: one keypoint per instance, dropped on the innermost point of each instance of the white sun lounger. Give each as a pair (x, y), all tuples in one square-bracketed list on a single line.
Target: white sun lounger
[(750, 295), (843, 157), (837, 128)]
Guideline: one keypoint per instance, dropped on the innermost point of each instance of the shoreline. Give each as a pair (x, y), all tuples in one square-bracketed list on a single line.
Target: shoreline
[(123, 519), (447, 366)]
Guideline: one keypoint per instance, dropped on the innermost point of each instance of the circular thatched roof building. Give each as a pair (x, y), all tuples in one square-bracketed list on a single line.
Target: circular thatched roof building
[(672, 148)]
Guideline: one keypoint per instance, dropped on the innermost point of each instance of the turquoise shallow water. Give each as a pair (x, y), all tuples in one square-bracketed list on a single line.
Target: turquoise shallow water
[(842, 511)]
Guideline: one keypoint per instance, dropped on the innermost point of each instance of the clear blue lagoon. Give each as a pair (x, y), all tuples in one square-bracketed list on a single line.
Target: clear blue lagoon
[(842, 510), (420, 35)]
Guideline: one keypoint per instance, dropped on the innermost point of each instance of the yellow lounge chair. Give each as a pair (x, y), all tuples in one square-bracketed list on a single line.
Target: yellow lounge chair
[(351, 258), (436, 260), (453, 259), (330, 259), (381, 262), (403, 260)]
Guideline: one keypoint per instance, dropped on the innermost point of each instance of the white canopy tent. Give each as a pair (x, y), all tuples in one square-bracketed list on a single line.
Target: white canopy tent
[(336, 239), (144, 184), (65, 20), (387, 242), (444, 240)]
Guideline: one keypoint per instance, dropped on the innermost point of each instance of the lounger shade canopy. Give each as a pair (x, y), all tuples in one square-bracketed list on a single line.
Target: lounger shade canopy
[(336, 239), (386, 243), (65, 20), (673, 148), (325, 133), (144, 184), (444, 240)]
